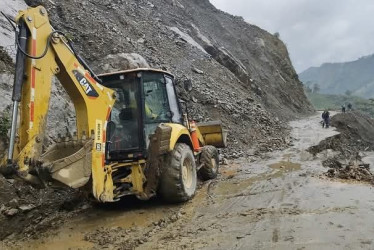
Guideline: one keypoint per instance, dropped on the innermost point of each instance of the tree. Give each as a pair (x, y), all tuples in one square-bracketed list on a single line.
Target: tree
[(348, 92), (316, 88), (307, 89)]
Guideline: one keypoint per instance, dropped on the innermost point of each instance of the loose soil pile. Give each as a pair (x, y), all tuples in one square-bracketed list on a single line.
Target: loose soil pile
[(129, 238), (33, 211), (6, 62), (356, 170), (356, 135)]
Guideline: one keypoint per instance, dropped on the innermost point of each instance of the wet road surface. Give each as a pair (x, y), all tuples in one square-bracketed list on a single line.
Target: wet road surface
[(278, 202)]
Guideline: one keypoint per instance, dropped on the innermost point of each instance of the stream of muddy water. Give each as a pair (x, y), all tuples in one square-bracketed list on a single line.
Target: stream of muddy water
[(277, 202)]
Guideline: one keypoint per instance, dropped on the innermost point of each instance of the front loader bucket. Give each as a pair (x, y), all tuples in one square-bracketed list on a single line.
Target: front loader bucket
[(213, 133), (68, 163)]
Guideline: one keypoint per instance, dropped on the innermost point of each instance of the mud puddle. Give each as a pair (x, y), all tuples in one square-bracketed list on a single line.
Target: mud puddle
[(286, 166), (73, 234), (127, 214), (237, 186)]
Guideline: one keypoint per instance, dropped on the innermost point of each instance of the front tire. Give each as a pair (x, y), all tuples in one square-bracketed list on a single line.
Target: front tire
[(178, 179)]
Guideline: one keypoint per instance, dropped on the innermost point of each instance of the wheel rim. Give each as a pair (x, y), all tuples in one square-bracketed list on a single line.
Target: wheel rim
[(187, 173)]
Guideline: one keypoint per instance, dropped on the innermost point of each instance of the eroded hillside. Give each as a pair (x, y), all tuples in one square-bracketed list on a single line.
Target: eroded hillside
[(240, 73)]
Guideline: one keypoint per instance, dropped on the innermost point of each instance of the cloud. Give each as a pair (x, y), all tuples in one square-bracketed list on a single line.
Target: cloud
[(315, 31)]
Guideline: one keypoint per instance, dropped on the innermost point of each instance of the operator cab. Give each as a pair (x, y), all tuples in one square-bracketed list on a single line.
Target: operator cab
[(144, 99)]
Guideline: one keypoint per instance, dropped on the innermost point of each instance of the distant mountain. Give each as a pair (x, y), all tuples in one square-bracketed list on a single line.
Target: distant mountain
[(337, 78)]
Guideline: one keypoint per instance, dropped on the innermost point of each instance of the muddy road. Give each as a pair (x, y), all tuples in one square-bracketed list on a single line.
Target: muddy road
[(277, 202)]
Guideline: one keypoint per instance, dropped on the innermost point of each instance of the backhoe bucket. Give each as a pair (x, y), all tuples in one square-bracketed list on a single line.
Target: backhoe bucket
[(68, 163), (213, 133)]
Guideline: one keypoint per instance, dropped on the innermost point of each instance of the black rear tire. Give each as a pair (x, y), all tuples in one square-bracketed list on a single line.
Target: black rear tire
[(210, 160), (178, 178)]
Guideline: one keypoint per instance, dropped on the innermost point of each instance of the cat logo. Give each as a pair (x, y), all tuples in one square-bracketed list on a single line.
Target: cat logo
[(86, 86)]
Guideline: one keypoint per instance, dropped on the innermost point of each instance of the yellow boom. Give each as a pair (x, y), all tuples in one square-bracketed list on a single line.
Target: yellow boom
[(47, 53)]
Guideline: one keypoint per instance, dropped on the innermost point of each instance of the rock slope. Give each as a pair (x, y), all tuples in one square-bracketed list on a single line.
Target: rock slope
[(240, 73)]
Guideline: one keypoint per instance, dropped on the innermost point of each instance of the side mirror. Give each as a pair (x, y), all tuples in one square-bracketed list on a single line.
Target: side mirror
[(184, 107)]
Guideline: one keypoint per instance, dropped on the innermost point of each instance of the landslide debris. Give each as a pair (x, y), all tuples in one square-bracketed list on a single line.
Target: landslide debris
[(34, 211), (27, 212), (356, 135), (129, 238), (239, 73), (6, 62), (356, 170)]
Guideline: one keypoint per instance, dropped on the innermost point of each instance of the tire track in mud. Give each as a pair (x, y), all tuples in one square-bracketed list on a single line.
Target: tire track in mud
[(231, 202), (269, 221), (269, 212)]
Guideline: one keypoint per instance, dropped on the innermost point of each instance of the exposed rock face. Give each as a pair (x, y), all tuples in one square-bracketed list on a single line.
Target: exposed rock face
[(264, 56), (6, 80), (224, 57), (6, 62), (9, 8), (240, 74)]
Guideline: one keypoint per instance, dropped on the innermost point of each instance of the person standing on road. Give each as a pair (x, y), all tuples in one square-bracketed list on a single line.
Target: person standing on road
[(349, 106), (326, 118), (343, 108)]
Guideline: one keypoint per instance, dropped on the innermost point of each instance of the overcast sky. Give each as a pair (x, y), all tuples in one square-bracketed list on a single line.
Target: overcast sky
[(315, 31)]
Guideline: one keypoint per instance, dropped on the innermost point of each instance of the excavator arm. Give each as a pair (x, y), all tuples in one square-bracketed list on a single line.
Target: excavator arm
[(43, 53)]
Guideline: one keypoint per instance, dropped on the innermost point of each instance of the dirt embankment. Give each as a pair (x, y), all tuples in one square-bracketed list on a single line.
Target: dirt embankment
[(356, 136)]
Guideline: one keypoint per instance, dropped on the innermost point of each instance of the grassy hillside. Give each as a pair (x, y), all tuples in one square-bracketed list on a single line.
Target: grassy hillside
[(334, 102)]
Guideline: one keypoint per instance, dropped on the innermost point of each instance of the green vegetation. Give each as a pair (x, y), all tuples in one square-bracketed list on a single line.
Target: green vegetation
[(350, 78), (4, 124), (335, 102)]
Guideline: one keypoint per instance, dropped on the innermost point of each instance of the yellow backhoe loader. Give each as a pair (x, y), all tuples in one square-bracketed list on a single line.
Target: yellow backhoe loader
[(133, 136)]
